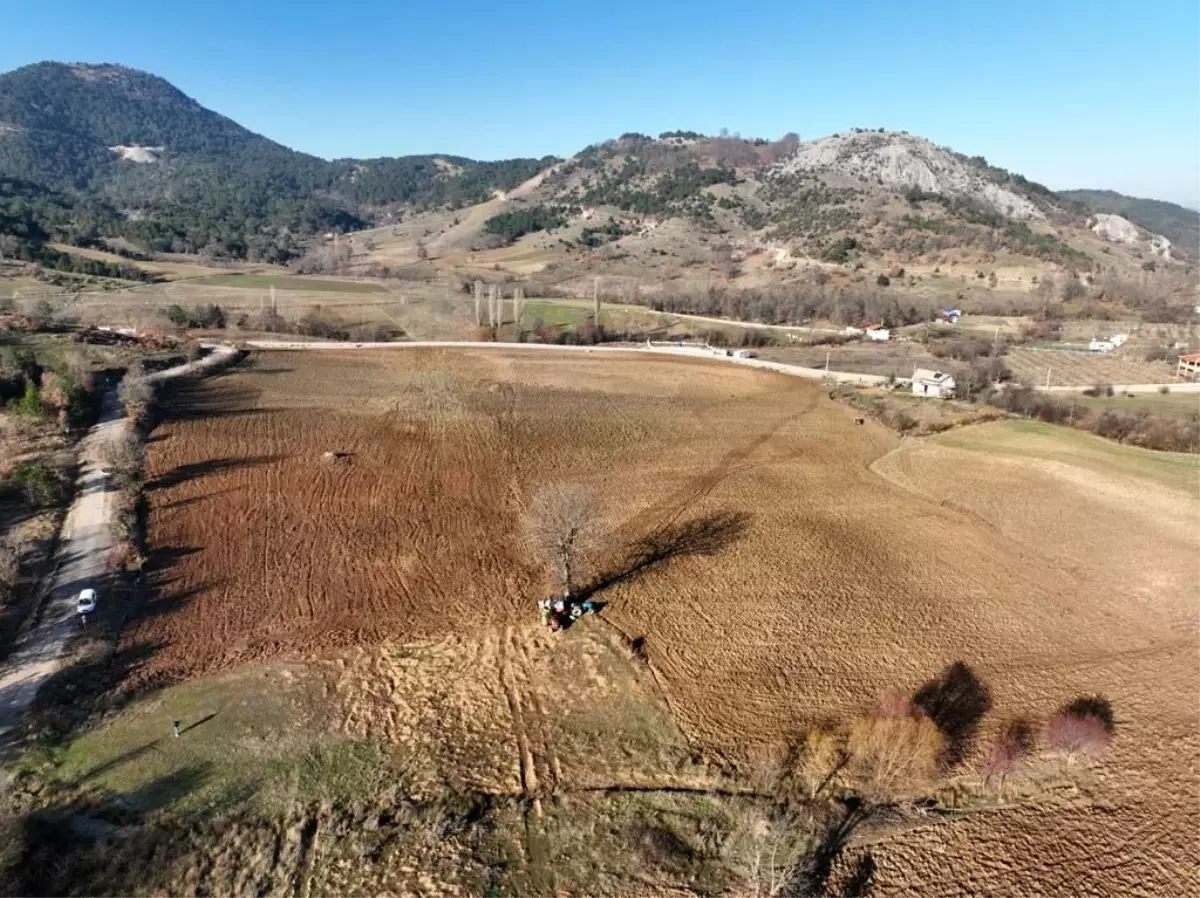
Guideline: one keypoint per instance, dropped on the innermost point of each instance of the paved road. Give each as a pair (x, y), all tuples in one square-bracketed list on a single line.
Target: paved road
[(84, 545)]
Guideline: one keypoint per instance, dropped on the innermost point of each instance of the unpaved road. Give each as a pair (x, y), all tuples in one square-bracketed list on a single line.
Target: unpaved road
[(84, 544)]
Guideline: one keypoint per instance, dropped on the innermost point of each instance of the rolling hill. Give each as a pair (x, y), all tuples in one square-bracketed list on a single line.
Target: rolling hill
[(135, 158), (187, 179)]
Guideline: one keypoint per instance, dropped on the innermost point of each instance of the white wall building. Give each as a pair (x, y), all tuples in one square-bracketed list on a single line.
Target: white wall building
[(939, 384)]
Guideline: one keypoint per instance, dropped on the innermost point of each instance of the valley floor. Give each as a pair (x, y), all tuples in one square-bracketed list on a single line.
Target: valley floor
[(351, 643)]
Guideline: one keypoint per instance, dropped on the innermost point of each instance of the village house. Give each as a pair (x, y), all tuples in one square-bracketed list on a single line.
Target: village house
[(926, 382), (1189, 367)]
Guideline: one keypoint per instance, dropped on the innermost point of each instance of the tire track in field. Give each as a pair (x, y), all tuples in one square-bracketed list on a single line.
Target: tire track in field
[(665, 513)]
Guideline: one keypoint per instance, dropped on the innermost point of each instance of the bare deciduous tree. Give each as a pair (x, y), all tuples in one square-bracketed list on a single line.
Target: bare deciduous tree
[(893, 758), (134, 392), (518, 302), (769, 850), (495, 312), (125, 456), (562, 525), (1008, 749)]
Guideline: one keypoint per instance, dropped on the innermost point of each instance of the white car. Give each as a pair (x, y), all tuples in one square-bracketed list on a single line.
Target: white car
[(87, 601)]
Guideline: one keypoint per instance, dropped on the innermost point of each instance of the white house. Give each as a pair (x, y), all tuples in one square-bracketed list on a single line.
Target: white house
[(939, 384), (876, 332), (1101, 345)]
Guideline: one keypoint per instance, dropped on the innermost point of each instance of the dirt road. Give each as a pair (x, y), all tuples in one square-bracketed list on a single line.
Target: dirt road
[(84, 544)]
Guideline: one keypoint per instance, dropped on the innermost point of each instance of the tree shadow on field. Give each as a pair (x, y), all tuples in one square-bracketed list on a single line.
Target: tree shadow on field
[(955, 702), (213, 396), (195, 470), (706, 535)]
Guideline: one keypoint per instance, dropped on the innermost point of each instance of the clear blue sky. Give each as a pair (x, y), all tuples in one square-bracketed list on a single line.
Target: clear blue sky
[(1103, 93)]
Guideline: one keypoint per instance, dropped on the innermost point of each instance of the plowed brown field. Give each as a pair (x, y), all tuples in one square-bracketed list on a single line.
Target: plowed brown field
[(805, 570)]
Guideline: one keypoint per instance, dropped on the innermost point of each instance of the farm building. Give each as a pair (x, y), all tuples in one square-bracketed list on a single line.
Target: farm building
[(932, 383), (1189, 367), (878, 332)]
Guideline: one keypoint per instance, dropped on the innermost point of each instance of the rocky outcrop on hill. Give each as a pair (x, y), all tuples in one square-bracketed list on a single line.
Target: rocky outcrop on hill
[(1116, 229), (901, 160)]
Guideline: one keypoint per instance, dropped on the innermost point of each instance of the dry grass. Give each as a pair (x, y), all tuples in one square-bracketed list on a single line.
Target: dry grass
[(1083, 369), (1122, 521)]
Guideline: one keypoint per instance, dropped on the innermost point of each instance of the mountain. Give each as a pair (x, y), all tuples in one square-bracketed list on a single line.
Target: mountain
[(185, 178), (1178, 224), (862, 194), (112, 152)]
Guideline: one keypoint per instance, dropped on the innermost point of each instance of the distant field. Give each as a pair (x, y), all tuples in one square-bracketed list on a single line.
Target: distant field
[(1081, 369), (290, 282), (1175, 405), (862, 358)]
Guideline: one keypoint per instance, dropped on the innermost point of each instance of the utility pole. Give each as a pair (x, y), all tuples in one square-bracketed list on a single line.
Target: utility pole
[(1047, 376), (826, 362), (596, 301)]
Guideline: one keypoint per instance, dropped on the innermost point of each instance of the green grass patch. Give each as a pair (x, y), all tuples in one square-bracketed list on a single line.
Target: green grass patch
[(288, 282), (1033, 439), (1174, 405), (255, 740)]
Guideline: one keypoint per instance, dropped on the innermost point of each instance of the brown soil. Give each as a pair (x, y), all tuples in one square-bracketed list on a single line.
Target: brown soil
[(1131, 545), (797, 581)]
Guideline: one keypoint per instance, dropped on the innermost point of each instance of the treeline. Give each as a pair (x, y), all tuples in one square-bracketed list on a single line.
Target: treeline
[(793, 305), (1142, 427), (31, 217)]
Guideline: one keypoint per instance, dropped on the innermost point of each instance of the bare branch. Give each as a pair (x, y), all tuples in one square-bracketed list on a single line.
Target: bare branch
[(562, 526)]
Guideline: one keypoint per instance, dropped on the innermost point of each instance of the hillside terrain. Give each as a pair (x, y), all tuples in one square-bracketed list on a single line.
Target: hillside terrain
[(1177, 223), (115, 173), (173, 176), (855, 211)]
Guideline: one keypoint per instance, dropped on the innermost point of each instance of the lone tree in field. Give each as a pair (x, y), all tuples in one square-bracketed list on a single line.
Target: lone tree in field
[(562, 526)]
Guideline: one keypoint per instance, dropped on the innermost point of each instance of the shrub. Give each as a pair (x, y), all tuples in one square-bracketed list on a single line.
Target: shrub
[(135, 394), (894, 757), (30, 404), (1164, 389), (1083, 727), (1011, 746), (125, 456), (39, 480), (883, 280)]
